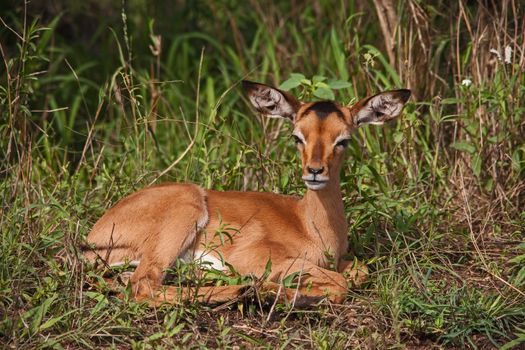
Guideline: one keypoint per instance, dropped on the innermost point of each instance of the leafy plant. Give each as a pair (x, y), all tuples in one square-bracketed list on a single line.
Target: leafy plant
[(317, 86)]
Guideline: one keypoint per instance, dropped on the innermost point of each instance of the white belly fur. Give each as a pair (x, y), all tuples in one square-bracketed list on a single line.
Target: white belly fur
[(206, 260)]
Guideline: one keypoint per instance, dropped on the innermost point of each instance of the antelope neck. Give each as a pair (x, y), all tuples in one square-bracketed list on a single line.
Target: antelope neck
[(324, 218)]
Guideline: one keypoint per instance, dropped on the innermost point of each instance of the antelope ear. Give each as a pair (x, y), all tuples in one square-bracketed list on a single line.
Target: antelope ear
[(380, 108), (270, 101)]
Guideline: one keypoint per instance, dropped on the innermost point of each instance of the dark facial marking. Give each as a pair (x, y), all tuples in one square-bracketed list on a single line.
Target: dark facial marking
[(86, 247), (323, 108), (317, 154)]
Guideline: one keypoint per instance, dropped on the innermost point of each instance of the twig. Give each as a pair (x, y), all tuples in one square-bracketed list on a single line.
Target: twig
[(195, 134)]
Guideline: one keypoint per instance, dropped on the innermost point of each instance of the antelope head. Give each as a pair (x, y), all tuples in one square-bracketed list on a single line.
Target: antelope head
[(322, 129)]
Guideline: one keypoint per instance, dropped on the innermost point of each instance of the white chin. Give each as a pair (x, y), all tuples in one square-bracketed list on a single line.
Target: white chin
[(315, 185)]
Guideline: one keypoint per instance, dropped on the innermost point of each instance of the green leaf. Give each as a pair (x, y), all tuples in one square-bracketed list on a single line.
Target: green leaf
[(40, 312), (176, 330), (318, 79), (450, 101), (398, 137), (514, 343), (306, 82), (516, 161), (294, 81), (324, 93), (268, 268), (49, 323), (339, 84), (186, 337), (155, 336), (290, 280), (290, 84), (284, 180), (464, 147), (101, 299), (517, 259), (297, 76), (476, 164)]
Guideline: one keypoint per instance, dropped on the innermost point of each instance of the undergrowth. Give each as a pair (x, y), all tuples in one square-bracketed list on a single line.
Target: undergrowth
[(100, 99)]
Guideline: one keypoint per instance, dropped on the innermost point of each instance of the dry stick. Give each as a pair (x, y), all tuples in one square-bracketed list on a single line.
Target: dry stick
[(280, 289), (274, 302), (12, 30), (79, 86), (388, 22), (81, 265), (463, 14), (193, 139), (89, 137), (239, 297), (95, 166), (9, 100), (188, 148), (195, 134), (13, 109)]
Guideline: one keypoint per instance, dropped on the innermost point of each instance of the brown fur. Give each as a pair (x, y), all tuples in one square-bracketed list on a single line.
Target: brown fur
[(159, 224)]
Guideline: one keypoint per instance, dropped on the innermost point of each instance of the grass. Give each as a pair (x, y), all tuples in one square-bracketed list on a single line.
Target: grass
[(99, 99)]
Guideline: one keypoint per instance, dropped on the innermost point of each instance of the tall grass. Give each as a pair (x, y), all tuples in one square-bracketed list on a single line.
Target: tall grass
[(99, 99)]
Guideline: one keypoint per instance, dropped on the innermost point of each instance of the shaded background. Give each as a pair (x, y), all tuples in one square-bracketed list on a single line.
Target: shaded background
[(101, 98)]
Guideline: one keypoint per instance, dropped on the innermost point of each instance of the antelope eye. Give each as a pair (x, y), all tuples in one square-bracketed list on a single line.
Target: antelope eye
[(342, 143), (297, 140)]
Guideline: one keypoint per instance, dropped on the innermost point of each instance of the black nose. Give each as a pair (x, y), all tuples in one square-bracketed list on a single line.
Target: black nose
[(315, 171)]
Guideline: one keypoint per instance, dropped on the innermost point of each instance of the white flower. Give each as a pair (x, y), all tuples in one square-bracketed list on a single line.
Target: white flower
[(495, 52), (466, 82), (508, 54)]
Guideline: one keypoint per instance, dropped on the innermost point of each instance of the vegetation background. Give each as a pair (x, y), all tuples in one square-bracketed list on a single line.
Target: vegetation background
[(101, 98)]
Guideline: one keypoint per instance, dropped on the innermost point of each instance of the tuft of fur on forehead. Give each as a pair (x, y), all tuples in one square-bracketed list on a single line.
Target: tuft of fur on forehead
[(324, 108)]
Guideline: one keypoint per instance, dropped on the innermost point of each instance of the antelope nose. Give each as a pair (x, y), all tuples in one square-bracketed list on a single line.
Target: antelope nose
[(315, 171)]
